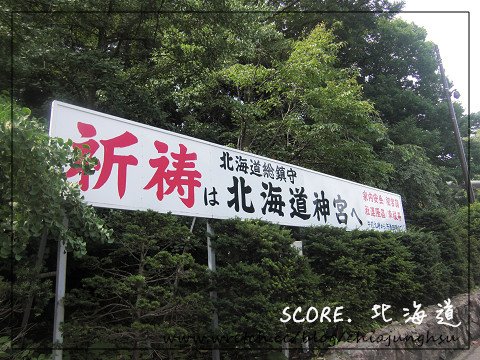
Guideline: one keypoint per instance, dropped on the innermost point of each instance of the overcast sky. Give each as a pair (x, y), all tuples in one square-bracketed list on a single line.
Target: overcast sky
[(450, 32)]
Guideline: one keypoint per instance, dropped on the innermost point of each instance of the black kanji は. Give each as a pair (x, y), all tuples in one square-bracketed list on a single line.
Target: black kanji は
[(210, 198)]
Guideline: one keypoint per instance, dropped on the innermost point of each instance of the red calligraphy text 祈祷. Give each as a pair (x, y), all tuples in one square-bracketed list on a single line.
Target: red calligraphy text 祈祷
[(87, 131), (122, 161), (182, 175), (161, 164)]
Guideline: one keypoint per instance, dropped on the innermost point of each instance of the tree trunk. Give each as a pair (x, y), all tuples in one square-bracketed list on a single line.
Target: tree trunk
[(36, 273)]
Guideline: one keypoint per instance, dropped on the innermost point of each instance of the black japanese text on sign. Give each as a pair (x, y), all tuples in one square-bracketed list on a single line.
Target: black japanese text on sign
[(141, 167)]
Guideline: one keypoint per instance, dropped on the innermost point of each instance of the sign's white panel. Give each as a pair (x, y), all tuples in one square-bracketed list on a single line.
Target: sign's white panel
[(142, 167)]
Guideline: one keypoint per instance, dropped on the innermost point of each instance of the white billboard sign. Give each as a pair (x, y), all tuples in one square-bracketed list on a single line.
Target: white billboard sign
[(142, 167)]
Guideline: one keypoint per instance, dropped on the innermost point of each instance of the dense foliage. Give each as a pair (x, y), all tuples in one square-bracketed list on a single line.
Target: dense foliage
[(143, 287), (36, 200), (355, 95)]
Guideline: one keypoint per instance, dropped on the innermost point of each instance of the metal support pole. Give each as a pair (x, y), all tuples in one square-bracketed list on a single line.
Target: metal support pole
[(213, 294), (461, 151), (286, 349), (192, 225), (59, 297), (306, 345)]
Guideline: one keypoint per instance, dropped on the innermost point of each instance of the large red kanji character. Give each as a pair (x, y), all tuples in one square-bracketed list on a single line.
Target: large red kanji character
[(109, 159), (181, 176), (87, 131), (161, 164)]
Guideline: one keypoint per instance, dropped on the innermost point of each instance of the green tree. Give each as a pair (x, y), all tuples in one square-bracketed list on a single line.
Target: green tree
[(360, 269), (35, 190), (431, 272), (421, 184), (140, 291), (304, 110), (118, 60), (468, 220), (356, 96), (472, 143), (399, 71), (448, 229), (259, 273), (35, 200)]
